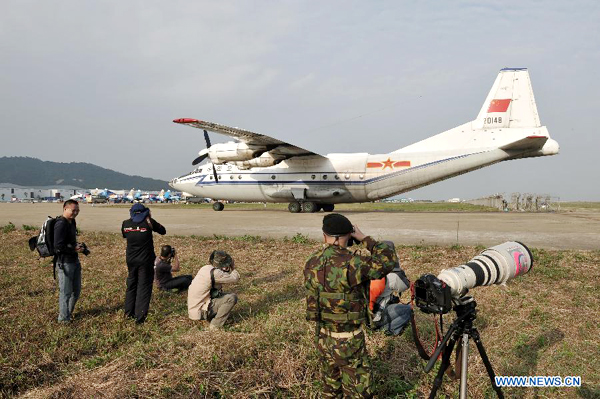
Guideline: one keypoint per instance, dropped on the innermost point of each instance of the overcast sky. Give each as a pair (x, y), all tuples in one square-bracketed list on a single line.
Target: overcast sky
[(101, 81)]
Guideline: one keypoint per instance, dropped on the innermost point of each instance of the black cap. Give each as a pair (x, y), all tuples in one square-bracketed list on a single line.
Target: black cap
[(165, 251), (335, 224)]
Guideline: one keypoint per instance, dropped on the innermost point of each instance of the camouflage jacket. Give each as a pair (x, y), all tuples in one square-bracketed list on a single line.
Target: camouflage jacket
[(335, 280)]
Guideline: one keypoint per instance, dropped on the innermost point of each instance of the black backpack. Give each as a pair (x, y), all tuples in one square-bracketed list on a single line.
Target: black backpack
[(44, 241)]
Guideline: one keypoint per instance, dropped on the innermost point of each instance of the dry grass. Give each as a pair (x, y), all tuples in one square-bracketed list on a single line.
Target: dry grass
[(545, 323)]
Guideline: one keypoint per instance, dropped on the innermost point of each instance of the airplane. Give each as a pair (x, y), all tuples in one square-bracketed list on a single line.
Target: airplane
[(133, 196), (259, 168), (168, 196), (78, 197)]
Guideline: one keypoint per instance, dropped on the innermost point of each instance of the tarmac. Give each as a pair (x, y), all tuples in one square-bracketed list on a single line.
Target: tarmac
[(567, 230)]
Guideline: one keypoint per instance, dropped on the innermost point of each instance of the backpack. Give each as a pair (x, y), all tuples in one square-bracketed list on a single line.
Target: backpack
[(44, 241)]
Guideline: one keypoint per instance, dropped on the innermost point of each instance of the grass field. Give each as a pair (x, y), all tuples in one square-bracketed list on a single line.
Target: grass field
[(580, 206), (544, 323)]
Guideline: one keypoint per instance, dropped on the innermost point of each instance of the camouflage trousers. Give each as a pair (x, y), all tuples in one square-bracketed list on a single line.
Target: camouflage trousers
[(345, 366)]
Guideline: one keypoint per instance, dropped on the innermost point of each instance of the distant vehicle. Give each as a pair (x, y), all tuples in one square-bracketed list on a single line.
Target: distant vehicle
[(97, 199), (454, 200), (259, 168), (196, 200)]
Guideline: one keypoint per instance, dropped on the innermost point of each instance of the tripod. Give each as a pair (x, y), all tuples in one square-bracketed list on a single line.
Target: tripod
[(461, 328)]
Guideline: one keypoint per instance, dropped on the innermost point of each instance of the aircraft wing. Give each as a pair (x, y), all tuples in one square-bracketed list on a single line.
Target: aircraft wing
[(248, 137)]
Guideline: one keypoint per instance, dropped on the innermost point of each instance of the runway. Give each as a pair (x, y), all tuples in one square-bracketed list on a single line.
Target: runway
[(570, 230)]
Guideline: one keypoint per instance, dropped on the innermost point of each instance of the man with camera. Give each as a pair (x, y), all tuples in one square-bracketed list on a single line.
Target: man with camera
[(337, 281), (67, 251), (164, 266), (206, 301)]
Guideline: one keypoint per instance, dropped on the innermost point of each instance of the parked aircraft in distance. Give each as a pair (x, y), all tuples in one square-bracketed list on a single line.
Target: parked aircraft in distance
[(168, 196), (259, 168), (133, 196), (78, 197)]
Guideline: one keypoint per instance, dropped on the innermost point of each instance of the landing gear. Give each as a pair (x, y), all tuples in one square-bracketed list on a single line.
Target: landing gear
[(310, 207), (218, 206), (294, 207)]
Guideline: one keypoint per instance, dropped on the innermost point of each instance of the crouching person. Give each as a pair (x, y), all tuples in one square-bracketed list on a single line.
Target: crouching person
[(206, 301), (166, 264), (389, 314)]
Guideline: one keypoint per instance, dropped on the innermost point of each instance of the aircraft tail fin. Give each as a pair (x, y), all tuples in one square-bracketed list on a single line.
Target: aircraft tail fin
[(508, 120), (510, 103)]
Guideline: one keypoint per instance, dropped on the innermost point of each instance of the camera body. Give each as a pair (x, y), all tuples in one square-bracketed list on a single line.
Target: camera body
[(432, 295), (85, 251), (172, 255)]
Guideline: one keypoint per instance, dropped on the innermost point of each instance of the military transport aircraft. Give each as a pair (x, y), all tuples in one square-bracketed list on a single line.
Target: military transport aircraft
[(259, 168)]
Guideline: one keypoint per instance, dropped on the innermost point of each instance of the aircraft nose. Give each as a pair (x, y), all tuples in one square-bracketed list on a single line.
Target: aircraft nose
[(173, 183)]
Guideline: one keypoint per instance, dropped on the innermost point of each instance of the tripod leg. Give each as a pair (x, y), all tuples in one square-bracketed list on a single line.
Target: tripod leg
[(437, 382), (486, 362), (463, 365)]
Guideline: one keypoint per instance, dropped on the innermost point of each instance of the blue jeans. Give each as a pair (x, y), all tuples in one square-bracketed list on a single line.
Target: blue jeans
[(396, 318), (69, 283)]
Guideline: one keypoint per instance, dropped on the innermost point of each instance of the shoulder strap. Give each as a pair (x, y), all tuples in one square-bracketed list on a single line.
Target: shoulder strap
[(212, 278)]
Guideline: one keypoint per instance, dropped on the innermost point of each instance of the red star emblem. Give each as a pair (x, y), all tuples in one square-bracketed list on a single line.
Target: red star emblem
[(387, 164)]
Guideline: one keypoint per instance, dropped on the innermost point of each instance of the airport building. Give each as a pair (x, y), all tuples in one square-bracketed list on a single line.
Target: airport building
[(14, 193)]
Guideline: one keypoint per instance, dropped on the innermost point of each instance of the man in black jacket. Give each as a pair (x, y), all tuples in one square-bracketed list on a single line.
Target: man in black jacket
[(67, 251), (140, 260)]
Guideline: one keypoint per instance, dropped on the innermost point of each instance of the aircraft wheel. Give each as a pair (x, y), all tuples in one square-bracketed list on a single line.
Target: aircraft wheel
[(310, 207), (328, 207), (218, 206), (294, 207)]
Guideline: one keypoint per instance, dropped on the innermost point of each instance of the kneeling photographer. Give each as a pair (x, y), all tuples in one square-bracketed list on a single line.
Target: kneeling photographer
[(206, 301), (389, 315), (166, 264)]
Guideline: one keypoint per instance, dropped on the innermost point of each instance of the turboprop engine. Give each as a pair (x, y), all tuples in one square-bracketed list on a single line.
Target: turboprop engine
[(264, 161), (232, 152)]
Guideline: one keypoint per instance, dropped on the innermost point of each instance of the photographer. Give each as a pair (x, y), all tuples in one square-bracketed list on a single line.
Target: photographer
[(384, 296), (166, 264), (140, 260), (67, 251), (336, 280), (206, 301)]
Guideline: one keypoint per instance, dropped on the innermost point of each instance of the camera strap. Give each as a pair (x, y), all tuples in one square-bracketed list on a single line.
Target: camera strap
[(422, 352)]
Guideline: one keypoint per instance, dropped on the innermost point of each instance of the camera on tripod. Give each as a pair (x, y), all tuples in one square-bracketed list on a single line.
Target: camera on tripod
[(495, 265), (447, 291)]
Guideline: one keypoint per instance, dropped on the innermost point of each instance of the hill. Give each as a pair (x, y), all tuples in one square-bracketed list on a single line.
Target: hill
[(26, 171)]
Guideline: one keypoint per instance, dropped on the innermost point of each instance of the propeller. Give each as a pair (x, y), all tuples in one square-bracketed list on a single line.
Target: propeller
[(204, 153)]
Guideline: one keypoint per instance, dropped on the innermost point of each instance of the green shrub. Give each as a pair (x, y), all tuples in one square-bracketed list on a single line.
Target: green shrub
[(301, 239), (8, 228)]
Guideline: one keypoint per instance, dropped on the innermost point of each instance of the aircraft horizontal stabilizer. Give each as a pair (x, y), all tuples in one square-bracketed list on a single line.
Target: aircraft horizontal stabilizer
[(528, 143)]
